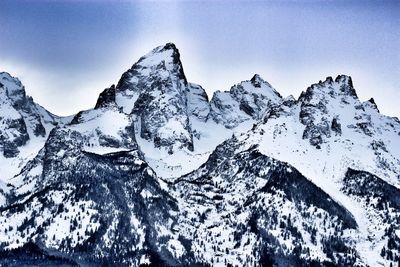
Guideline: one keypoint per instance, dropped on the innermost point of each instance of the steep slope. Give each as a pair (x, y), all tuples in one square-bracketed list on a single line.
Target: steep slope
[(249, 100), (242, 208), (239, 208), (24, 126), (154, 90), (157, 174), (197, 103), (174, 121), (381, 202), (329, 125), (325, 132), (92, 209)]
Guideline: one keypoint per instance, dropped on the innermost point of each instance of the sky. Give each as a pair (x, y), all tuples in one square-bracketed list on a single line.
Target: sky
[(67, 51)]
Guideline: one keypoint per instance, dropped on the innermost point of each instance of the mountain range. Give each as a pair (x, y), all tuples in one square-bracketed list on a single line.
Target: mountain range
[(158, 174)]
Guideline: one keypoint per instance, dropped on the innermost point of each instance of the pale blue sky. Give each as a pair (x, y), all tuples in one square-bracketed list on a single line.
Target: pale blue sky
[(66, 52)]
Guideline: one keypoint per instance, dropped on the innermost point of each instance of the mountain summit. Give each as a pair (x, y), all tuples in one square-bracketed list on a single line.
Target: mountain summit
[(159, 174)]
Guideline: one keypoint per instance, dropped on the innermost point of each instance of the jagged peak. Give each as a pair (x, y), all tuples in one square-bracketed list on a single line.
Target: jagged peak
[(371, 103), (13, 88), (342, 85), (6, 79), (346, 85), (6, 75), (257, 81), (167, 53), (340, 79), (106, 98), (344, 79), (329, 79), (162, 58), (167, 46), (256, 85)]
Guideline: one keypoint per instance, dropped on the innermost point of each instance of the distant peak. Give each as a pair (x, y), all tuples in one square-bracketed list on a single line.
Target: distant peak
[(372, 101), (257, 81), (13, 88), (345, 79), (342, 85), (256, 77), (340, 79), (5, 76), (329, 80), (372, 104), (170, 46), (106, 98), (346, 85), (164, 58), (166, 54)]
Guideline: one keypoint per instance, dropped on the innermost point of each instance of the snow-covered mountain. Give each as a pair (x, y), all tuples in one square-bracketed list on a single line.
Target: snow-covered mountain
[(158, 174), (24, 128)]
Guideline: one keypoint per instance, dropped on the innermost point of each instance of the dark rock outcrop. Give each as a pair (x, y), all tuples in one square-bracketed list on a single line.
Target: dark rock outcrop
[(106, 98)]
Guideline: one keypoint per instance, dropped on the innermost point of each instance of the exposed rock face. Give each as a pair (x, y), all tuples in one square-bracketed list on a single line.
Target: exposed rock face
[(323, 134), (154, 90), (106, 98), (155, 174), (13, 132), (197, 102), (21, 119), (97, 199), (249, 100), (316, 113), (254, 204), (382, 202), (336, 126), (370, 104)]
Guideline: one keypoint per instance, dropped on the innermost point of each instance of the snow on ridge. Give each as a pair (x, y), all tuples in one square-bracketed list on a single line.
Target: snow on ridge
[(321, 134)]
